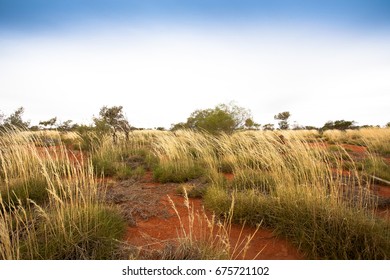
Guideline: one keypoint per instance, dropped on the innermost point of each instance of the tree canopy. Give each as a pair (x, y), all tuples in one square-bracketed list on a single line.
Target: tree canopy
[(339, 124), (112, 119), (15, 120), (283, 120), (223, 118), (49, 123)]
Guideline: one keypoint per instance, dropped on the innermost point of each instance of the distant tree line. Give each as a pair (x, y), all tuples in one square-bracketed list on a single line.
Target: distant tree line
[(225, 118)]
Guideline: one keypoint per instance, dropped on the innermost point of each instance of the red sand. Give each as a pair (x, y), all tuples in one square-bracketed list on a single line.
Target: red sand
[(155, 231)]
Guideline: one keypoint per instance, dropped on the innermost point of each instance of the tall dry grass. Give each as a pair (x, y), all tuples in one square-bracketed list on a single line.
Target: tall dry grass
[(207, 237), (300, 189), (288, 180), (70, 222)]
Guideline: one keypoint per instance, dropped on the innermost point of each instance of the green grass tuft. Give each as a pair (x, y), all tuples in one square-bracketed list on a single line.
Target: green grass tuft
[(23, 190), (77, 234), (171, 173)]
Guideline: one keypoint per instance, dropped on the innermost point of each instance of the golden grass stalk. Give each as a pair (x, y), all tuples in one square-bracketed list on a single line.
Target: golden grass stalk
[(204, 237)]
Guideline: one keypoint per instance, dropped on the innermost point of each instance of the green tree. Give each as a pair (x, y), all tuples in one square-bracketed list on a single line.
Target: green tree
[(310, 127), (339, 124), (211, 120), (250, 124), (223, 118), (388, 124), (283, 120), (112, 119), (15, 120), (49, 123), (239, 114), (268, 126), (177, 126), (65, 126)]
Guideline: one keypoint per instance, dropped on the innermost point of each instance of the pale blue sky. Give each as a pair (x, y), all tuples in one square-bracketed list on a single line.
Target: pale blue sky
[(161, 60)]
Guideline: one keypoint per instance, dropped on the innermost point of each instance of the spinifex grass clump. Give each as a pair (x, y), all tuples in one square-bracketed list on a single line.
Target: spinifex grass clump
[(377, 167), (177, 173), (72, 223), (21, 191), (182, 156), (327, 212), (124, 159), (74, 232), (318, 229), (377, 140), (252, 179)]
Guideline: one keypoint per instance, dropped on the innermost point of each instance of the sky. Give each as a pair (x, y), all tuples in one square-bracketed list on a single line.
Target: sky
[(161, 60)]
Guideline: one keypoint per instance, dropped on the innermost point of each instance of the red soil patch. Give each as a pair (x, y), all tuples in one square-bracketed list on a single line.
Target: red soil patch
[(382, 191), (228, 176), (383, 213), (154, 232), (355, 148), (57, 152), (349, 147), (323, 145)]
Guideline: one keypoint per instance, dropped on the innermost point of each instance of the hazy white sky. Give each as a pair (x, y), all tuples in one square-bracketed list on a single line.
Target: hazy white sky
[(161, 72)]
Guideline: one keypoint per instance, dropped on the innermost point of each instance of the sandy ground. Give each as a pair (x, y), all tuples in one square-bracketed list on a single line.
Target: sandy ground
[(153, 222)]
